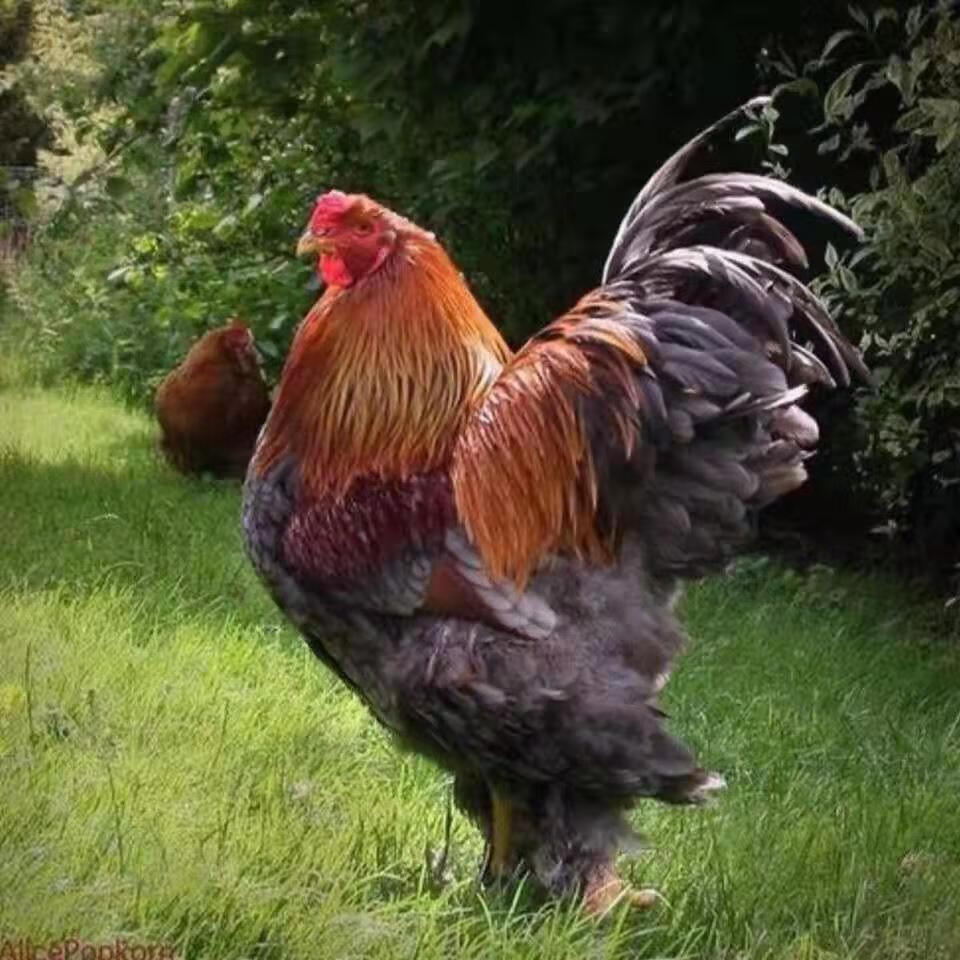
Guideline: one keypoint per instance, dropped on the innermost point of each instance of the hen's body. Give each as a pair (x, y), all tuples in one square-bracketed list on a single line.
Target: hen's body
[(211, 407), (485, 547)]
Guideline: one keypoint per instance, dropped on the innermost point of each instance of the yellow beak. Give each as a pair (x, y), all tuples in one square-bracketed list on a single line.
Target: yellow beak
[(311, 243)]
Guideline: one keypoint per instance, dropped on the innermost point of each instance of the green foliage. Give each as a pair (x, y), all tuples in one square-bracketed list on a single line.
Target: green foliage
[(180, 226), (519, 133), (22, 131), (15, 17), (891, 130), (119, 287)]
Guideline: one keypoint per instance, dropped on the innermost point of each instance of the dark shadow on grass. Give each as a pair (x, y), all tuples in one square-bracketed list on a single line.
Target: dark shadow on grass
[(77, 526)]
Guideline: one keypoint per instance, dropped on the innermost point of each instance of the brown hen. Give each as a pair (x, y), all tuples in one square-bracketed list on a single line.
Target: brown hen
[(212, 406)]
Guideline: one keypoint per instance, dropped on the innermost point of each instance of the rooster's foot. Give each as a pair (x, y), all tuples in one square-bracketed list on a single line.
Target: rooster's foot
[(604, 889)]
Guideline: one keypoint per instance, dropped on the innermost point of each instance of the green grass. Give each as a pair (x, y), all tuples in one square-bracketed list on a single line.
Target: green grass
[(175, 768)]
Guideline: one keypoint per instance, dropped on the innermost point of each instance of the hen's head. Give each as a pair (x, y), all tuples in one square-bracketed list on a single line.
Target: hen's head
[(232, 344), (239, 340), (352, 234)]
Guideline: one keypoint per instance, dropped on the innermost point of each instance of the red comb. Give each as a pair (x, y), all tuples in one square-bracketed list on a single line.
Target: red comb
[(329, 208)]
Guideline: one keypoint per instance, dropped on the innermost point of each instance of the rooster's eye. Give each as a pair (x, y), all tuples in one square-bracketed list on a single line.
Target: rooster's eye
[(364, 228)]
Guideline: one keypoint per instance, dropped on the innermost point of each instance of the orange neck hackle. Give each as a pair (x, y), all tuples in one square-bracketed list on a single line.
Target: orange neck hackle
[(381, 374)]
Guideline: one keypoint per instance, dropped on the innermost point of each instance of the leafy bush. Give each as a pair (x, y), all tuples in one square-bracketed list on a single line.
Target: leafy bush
[(117, 291), (891, 130), (519, 135), (518, 132), (15, 16)]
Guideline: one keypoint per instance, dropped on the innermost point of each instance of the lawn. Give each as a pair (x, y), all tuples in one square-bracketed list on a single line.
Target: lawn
[(175, 768)]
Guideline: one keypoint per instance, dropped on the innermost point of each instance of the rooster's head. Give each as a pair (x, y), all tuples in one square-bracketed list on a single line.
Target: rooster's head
[(352, 234)]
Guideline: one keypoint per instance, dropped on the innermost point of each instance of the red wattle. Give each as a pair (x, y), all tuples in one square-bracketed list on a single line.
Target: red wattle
[(334, 271)]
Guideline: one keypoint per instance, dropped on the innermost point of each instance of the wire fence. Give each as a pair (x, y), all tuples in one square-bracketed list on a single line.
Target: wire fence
[(15, 227)]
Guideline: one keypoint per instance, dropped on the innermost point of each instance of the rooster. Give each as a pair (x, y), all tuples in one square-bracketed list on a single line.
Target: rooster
[(212, 406), (486, 546)]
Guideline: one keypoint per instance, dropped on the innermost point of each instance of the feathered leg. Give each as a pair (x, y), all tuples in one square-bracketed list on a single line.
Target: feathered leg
[(603, 887), (577, 841), (569, 850), (579, 836)]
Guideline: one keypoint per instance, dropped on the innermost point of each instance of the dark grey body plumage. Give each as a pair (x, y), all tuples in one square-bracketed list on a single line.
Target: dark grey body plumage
[(568, 724)]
